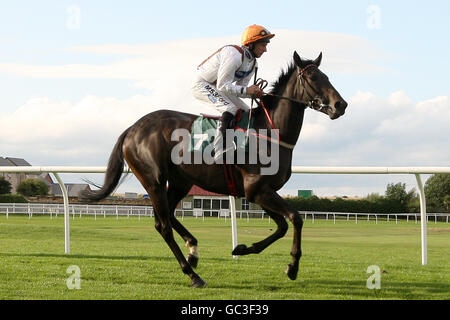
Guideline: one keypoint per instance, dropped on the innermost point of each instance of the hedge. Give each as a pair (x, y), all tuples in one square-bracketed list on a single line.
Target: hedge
[(381, 205), (12, 198)]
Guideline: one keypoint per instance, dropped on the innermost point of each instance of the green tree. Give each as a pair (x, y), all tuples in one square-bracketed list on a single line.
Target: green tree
[(408, 200), (397, 192), (413, 202), (374, 197), (5, 186), (32, 187), (437, 187), (447, 202)]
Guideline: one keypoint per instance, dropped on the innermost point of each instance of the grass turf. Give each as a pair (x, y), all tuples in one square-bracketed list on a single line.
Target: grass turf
[(128, 259)]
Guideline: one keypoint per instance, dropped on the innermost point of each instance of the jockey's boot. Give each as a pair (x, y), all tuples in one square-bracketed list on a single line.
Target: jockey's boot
[(221, 145)]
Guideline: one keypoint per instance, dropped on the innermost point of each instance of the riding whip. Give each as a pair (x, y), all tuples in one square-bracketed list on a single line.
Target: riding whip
[(251, 107)]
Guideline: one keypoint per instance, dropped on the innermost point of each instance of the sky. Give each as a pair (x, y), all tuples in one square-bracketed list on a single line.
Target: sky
[(75, 74)]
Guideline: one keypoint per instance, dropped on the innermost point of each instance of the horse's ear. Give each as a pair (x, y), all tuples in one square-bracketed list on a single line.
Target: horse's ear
[(318, 60), (297, 60)]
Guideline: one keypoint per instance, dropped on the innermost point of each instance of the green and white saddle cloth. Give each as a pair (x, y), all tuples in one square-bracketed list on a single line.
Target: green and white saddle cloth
[(204, 129)]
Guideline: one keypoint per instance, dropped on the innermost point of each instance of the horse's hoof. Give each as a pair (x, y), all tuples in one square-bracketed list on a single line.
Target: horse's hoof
[(198, 283), (240, 250), (192, 260), (292, 271)]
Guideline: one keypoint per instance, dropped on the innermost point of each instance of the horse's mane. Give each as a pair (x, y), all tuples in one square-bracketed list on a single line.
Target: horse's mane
[(279, 85)]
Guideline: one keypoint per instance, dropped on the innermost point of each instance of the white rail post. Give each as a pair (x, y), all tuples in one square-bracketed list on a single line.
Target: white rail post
[(66, 213), (423, 220), (233, 223)]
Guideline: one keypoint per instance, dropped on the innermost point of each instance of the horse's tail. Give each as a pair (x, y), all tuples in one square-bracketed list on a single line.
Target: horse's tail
[(113, 173)]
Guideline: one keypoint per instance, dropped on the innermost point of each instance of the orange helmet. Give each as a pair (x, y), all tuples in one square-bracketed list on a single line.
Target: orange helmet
[(255, 33)]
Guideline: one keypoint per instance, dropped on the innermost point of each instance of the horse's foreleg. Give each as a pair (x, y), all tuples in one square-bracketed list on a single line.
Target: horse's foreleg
[(296, 251), (257, 247), (273, 202)]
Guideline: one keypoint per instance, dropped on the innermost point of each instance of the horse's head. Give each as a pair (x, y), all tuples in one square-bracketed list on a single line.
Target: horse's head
[(315, 90)]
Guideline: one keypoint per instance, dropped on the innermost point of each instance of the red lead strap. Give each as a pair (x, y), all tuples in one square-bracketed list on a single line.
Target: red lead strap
[(228, 170), (270, 119)]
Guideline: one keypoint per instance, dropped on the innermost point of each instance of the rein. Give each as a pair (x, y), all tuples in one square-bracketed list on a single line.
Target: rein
[(269, 119), (286, 98)]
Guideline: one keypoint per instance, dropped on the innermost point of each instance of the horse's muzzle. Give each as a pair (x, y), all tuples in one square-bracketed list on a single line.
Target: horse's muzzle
[(338, 109)]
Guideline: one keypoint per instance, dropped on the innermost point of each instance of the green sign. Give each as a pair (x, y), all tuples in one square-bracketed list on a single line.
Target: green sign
[(305, 193)]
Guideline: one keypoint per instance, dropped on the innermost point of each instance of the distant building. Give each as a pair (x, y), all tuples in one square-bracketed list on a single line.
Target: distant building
[(211, 202), (16, 178), (73, 189), (130, 195)]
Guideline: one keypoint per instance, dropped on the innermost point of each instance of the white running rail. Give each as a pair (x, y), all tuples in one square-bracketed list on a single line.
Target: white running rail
[(417, 171)]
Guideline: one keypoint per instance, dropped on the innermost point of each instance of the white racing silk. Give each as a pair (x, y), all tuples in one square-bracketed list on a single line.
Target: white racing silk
[(222, 79)]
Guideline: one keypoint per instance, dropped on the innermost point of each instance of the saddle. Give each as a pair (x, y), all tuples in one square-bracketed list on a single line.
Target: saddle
[(203, 130)]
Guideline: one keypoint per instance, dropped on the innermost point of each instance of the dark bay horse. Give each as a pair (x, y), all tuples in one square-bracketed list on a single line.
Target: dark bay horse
[(146, 146)]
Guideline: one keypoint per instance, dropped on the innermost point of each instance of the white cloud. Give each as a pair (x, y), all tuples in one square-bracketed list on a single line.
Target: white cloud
[(373, 130), (399, 99), (418, 121), (167, 69), (393, 130), (362, 138), (171, 60), (381, 131)]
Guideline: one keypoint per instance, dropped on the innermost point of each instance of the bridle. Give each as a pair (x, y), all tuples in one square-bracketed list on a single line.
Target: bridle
[(312, 100)]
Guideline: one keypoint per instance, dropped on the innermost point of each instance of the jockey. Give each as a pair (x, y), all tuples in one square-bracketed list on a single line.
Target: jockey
[(223, 78)]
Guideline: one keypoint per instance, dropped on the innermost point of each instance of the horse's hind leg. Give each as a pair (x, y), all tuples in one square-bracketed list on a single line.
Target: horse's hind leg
[(158, 195), (176, 192), (153, 177), (191, 242)]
